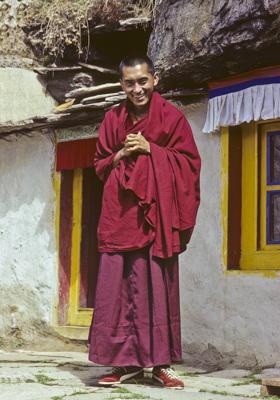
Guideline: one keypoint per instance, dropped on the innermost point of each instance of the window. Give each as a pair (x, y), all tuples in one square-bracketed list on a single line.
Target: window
[(251, 196)]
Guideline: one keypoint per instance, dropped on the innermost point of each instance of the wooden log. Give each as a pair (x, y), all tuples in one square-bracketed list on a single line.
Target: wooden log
[(123, 25), (103, 70), (172, 94), (98, 97), (46, 70), (135, 21), (83, 92), (84, 107), (52, 121), (115, 99)]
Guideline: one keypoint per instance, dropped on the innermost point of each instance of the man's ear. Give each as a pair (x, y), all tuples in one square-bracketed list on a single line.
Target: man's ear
[(156, 79), (121, 82)]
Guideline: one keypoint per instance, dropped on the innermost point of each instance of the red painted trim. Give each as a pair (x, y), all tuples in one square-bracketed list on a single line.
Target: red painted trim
[(65, 241), (92, 193), (244, 77), (75, 154)]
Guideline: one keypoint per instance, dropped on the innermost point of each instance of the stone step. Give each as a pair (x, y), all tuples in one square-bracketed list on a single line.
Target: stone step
[(270, 386)]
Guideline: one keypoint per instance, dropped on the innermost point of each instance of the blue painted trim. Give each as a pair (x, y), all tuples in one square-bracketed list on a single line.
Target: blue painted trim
[(268, 196), (268, 144), (241, 86)]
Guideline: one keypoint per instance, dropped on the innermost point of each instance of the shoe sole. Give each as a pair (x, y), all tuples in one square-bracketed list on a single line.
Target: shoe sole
[(122, 379)]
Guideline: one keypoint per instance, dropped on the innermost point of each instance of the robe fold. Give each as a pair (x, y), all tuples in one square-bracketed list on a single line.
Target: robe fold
[(148, 199)]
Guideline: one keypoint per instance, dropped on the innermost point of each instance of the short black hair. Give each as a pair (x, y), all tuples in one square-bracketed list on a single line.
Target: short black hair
[(132, 61)]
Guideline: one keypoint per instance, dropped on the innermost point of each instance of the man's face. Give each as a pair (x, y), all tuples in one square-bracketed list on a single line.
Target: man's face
[(138, 84)]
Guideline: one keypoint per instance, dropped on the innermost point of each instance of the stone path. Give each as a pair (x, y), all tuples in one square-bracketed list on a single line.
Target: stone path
[(26, 375)]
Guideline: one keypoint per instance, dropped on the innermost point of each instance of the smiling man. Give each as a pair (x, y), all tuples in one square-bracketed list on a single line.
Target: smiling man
[(147, 158)]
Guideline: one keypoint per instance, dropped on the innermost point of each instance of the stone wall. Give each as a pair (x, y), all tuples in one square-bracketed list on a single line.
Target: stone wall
[(197, 41), (13, 50)]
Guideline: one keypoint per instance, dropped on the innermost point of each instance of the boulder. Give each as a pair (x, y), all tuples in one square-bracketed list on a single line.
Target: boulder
[(200, 40)]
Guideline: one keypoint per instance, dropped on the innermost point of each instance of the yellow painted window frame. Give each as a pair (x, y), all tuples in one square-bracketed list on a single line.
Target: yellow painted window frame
[(254, 256)]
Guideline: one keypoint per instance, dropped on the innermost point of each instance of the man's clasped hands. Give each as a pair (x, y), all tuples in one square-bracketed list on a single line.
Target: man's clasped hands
[(134, 142)]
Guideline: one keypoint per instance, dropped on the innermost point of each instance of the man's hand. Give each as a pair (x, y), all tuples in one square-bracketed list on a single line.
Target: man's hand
[(133, 143), (124, 152), (137, 143)]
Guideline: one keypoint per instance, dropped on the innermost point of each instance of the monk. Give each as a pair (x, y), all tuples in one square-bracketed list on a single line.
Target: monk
[(147, 158)]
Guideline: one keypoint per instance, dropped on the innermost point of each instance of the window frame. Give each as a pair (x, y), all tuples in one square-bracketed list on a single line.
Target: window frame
[(255, 254)]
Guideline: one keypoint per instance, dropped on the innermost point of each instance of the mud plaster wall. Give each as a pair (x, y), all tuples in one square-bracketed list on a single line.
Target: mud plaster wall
[(28, 257), (22, 95), (27, 235), (237, 314)]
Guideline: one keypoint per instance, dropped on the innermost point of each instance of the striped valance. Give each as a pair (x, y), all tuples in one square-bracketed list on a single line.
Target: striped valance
[(251, 96)]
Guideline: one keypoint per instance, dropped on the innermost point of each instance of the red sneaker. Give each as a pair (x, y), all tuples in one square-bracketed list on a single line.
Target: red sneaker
[(168, 378), (120, 374)]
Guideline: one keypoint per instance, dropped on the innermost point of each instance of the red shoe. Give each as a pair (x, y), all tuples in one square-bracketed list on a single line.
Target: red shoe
[(120, 374), (168, 378)]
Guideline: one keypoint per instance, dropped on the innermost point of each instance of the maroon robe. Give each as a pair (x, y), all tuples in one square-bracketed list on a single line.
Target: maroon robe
[(148, 213), (148, 198)]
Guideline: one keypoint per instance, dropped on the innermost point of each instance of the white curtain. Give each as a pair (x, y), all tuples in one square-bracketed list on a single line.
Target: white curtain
[(251, 104)]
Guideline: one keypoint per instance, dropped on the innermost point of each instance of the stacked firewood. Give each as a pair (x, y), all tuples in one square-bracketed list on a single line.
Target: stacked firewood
[(100, 97)]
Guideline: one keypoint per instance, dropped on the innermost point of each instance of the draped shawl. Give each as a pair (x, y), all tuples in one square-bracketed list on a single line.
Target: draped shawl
[(148, 198)]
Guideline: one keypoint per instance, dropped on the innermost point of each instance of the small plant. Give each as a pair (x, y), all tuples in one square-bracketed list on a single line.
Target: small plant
[(44, 379), (78, 392), (130, 396), (120, 390), (53, 26), (185, 373)]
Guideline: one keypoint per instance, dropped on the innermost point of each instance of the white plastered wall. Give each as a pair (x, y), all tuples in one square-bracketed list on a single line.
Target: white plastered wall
[(225, 316), (28, 255)]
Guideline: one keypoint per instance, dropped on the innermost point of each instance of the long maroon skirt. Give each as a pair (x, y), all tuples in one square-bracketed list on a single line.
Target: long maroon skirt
[(137, 311)]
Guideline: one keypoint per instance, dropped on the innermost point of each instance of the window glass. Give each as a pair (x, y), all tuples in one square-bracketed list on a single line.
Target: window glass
[(274, 157), (273, 217)]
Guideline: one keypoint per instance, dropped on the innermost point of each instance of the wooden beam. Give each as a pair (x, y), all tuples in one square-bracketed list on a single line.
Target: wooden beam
[(99, 69), (87, 91), (46, 70), (52, 121), (172, 94), (124, 25), (132, 22), (98, 97), (85, 107), (115, 99)]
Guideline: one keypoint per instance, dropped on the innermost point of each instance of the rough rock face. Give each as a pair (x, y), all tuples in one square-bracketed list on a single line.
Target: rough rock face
[(198, 40)]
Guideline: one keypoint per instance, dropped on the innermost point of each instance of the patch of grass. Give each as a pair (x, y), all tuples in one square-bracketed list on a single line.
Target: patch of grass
[(57, 397), (185, 373), (248, 381), (78, 392), (29, 380), (131, 396), (222, 392), (271, 398), (76, 368), (225, 393), (44, 379), (120, 390), (66, 24)]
